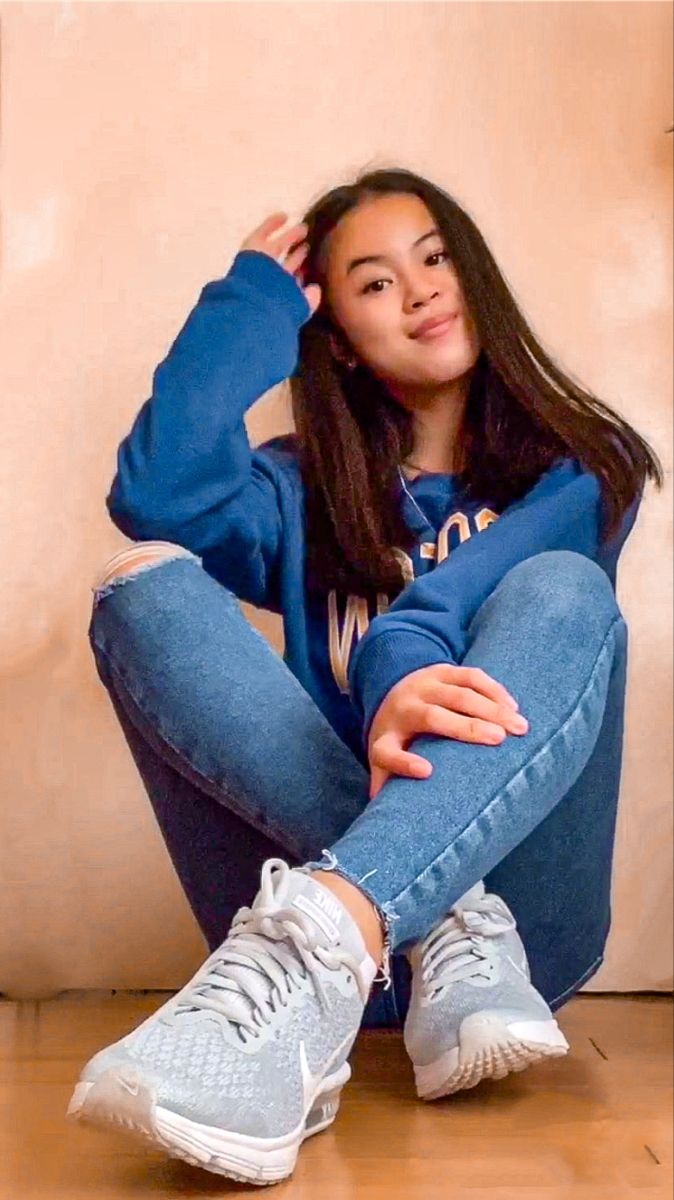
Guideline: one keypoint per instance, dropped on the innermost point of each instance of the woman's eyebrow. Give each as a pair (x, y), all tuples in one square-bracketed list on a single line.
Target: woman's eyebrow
[(370, 258)]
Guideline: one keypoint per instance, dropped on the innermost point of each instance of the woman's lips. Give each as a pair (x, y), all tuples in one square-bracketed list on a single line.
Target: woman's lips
[(437, 331)]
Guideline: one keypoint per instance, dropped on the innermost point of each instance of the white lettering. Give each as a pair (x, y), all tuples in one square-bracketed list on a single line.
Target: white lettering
[(356, 617)]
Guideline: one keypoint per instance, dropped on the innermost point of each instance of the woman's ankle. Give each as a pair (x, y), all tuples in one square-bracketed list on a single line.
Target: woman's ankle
[(361, 909)]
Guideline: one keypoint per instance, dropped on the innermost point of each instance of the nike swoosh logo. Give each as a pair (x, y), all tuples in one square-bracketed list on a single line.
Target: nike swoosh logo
[(309, 1082), (520, 967)]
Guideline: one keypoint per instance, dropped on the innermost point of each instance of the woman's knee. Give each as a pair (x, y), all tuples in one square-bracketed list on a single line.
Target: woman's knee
[(142, 555), (561, 579), (119, 570)]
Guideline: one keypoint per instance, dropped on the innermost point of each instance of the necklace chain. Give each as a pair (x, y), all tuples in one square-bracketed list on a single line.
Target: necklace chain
[(406, 489)]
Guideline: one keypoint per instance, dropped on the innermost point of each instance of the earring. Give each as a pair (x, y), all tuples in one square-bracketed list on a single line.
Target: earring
[(342, 356), (347, 360)]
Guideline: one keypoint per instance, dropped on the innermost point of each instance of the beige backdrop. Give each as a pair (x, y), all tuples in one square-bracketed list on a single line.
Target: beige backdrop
[(141, 143)]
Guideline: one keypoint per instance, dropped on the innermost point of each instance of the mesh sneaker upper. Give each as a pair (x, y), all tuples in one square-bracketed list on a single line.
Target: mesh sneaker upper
[(217, 1053), (473, 960)]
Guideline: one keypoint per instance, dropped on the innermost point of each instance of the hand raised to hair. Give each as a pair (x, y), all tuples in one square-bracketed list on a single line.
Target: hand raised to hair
[(288, 248)]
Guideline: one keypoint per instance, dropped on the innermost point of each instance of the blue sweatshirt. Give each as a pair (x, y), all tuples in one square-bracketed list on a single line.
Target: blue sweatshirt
[(186, 473)]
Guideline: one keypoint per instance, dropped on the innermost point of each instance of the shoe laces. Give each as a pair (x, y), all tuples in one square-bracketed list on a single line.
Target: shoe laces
[(269, 951), (456, 948)]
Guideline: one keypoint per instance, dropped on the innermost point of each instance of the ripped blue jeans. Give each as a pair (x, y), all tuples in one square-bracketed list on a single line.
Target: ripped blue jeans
[(240, 765)]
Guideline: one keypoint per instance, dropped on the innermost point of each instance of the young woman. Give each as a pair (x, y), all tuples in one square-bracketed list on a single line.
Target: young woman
[(441, 536)]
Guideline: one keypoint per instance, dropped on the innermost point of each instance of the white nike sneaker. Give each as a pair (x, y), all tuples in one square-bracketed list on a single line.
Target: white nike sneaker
[(250, 1057), (473, 1012)]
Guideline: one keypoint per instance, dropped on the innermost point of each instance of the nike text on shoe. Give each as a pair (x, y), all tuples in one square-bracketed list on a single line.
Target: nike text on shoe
[(250, 1057), (474, 1013)]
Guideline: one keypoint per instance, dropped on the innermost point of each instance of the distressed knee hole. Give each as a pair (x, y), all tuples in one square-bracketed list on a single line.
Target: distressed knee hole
[(134, 561)]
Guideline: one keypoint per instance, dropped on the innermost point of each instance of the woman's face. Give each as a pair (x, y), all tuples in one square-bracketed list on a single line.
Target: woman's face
[(380, 304)]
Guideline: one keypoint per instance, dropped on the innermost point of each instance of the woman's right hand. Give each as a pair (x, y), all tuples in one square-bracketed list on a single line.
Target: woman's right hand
[(289, 249), (458, 702)]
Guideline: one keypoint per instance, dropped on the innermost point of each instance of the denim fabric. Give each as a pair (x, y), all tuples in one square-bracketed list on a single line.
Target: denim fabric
[(240, 765)]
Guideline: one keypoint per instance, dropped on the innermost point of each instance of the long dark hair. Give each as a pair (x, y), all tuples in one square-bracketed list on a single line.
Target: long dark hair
[(522, 411)]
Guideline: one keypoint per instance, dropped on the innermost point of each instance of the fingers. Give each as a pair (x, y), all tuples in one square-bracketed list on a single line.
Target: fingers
[(378, 777), (274, 221), (443, 723), (294, 260), (476, 678), (277, 245), (289, 249), (466, 700), (445, 700), (290, 240), (388, 752)]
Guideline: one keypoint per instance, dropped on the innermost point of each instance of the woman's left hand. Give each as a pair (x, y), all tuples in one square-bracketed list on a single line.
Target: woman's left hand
[(451, 701)]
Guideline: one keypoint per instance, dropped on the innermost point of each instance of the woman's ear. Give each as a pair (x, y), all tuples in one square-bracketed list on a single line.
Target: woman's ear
[(339, 351)]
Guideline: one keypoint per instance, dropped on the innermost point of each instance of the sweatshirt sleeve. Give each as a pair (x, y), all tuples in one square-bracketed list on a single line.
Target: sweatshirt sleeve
[(186, 472), (428, 622)]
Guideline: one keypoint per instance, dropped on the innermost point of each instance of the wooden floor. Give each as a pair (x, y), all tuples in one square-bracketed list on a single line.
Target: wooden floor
[(597, 1123)]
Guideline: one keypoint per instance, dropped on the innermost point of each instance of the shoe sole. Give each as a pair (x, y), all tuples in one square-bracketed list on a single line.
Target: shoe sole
[(116, 1102), (489, 1049)]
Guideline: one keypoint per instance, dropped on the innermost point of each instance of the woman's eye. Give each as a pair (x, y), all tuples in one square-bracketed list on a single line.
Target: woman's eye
[(370, 286)]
